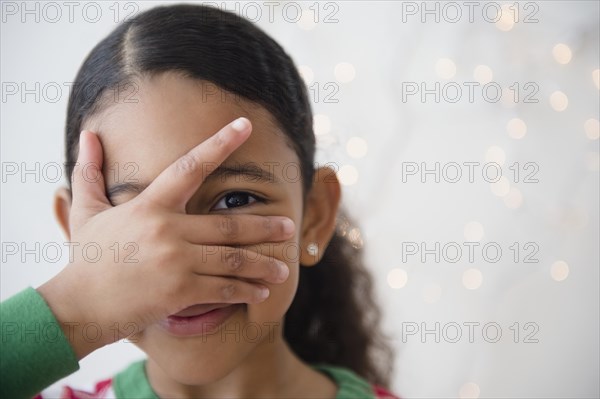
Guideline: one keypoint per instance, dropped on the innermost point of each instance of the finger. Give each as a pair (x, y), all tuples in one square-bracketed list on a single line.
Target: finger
[(234, 229), (214, 289), (237, 262), (179, 181), (89, 193)]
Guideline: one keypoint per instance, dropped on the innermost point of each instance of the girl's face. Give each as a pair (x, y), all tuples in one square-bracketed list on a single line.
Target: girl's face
[(140, 139)]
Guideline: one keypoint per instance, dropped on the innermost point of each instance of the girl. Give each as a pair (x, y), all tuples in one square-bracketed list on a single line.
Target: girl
[(223, 256)]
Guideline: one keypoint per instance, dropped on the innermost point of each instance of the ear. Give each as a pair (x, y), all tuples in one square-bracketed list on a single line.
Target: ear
[(62, 209), (320, 212)]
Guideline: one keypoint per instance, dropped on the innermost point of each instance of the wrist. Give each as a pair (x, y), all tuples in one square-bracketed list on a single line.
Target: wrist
[(84, 336)]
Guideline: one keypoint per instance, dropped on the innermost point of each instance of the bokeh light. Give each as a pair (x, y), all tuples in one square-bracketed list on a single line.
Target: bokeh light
[(507, 18), (321, 124), (357, 147), (445, 68), (347, 175), (397, 278), (344, 72), (307, 74), (516, 128), (472, 279), (562, 53), (470, 390), (473, 231), (559, 270), (514, 198), (559, 101), (501, 187), (483, 74), (495, 154), (592, 128)]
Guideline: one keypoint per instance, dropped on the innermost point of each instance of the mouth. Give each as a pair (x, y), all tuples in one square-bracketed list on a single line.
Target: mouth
[(201, 319)]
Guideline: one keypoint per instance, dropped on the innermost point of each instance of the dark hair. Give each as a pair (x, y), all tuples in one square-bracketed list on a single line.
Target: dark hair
[(333, 318)]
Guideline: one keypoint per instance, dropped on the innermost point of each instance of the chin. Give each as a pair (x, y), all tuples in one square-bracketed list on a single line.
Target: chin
[(202, 359), (197, 371), (193, 360)]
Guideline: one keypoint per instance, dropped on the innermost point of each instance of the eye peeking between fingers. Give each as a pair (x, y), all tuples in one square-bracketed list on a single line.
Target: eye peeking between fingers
[(236, 199)]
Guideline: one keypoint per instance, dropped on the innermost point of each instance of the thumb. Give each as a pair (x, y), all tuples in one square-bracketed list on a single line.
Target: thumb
[(89, 195)]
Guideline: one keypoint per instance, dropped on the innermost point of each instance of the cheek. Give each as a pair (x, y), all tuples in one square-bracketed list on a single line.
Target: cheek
[(273, 309)]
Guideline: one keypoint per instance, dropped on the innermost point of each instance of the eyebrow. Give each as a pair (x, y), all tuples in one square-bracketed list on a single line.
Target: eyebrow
[(249, 172)]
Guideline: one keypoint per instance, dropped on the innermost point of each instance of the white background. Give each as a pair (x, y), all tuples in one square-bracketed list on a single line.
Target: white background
[(389, 48)]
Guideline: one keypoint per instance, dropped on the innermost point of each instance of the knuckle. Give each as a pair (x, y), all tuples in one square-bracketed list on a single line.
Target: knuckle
[(138, 209), (219, 140), (228, 291), (157, 229), (179, 285), (172, 288), (268, 225), (229, 227), (234, 260), (187, 164), (166, 256)]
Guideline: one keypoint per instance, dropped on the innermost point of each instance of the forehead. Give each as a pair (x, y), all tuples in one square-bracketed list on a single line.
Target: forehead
[(160, 118)]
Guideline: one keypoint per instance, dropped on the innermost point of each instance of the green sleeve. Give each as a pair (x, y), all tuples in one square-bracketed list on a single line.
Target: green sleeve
[(34, 352)]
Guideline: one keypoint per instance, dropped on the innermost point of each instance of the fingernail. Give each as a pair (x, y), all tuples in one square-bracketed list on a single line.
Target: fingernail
[(81, 138), (240, 124), (284, 271), (264, 293), (288, 226)]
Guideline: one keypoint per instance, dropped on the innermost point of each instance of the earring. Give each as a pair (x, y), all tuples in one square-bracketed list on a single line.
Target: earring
[(312, 249)]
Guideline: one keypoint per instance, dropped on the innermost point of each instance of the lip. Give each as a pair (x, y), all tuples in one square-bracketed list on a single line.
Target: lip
[(184, 324)]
